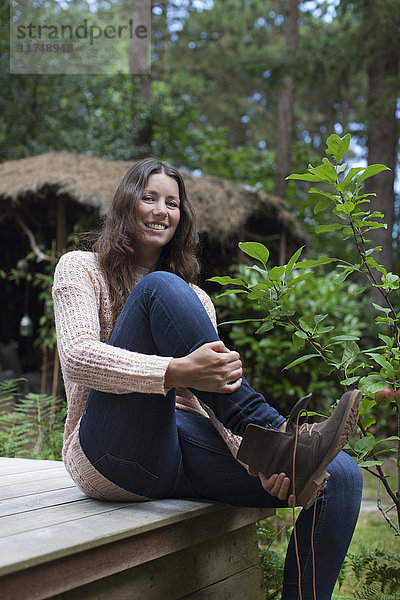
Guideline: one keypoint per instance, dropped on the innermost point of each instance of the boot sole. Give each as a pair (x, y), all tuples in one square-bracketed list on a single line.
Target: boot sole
[(318, 479)]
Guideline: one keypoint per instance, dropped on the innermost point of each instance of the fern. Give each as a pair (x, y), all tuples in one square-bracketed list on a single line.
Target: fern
[(32, 426), (379, 573)]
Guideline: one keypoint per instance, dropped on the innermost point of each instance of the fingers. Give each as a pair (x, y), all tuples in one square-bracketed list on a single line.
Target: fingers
[(209, 368), (276, 485)]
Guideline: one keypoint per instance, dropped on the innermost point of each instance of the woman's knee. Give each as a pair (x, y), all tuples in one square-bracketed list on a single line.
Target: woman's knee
[(161, 281), (346, 475)]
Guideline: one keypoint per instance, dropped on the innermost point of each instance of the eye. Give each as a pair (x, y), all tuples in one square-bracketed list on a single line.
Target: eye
[(173, 204), (147, 198)]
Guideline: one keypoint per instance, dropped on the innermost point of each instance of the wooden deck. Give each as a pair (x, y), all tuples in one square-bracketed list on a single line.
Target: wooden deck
[(57, 543)]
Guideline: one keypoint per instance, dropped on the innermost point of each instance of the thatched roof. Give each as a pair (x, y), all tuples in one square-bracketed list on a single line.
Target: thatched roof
[(222, 207)]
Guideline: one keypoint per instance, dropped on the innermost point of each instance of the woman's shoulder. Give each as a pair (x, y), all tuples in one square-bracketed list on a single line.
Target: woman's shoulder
[(77, 264), (81, 257)]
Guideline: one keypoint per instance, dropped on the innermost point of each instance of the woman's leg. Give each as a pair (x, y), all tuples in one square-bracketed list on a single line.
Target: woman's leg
[(217, 475), (132, 438), (336, 517), (166, 313)]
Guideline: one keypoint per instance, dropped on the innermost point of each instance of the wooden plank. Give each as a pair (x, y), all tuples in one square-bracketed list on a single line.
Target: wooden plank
[(176, 575), (53, 577), (57, 482), (26, 477), (247, 585), (9, 466), (13, 506), (54, 515)]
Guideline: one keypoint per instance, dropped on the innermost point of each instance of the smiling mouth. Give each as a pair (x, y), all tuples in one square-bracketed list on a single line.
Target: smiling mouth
[(156, 226)]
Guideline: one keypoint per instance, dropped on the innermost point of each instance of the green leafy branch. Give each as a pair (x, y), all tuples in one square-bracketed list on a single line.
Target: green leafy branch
[(340, 191)]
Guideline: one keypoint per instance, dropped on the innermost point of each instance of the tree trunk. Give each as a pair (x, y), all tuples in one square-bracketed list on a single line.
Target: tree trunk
[(382, 132), (286, 100)]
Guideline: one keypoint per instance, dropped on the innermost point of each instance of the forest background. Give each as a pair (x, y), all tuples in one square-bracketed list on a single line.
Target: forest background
[(248, 90)]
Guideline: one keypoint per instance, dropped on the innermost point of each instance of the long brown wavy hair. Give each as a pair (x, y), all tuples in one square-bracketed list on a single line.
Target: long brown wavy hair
[(115, 244)]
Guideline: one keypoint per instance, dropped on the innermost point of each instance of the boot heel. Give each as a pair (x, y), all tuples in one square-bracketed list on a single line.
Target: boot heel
[(312, 489)]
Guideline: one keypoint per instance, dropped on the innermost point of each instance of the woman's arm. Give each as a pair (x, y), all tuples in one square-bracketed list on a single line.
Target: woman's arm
[(210, 368), (84, 358)]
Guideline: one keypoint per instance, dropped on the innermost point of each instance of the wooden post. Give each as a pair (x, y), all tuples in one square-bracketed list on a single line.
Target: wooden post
[(61, 231), (282, 247)]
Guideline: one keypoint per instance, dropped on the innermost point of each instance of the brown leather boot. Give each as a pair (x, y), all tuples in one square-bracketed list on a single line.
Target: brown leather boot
[(271, 451)]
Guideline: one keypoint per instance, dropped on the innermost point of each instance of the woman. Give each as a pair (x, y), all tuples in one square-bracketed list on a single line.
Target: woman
[(157, 405)]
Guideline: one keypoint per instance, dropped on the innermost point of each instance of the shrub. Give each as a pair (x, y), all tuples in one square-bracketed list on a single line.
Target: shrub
[(264, 356)]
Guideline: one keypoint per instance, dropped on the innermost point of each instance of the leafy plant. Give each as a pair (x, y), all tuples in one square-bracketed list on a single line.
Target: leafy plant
[(339, 191), (30, 427), (263, 356), (272, 562), (378, 572)]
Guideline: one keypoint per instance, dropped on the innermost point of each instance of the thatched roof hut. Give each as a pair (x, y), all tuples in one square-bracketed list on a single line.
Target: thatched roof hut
[(57, 184)]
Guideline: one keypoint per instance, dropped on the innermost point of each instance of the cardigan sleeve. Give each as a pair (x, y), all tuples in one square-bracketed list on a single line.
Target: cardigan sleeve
[(84, 358)]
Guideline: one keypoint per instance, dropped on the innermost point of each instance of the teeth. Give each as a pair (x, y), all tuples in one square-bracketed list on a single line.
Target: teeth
[(155, 226)]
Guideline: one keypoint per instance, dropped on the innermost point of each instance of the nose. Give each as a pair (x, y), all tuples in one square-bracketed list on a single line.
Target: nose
[(159, 208)]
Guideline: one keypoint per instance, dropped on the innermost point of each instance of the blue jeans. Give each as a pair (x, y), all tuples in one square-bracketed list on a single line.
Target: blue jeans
[(143, 444)]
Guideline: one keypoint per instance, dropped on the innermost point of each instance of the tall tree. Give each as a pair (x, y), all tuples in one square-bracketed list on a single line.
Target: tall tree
[(383, 85), (284, 138)]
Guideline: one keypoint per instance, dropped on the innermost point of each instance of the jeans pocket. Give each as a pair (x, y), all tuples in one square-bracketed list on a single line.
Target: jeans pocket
[(127, 474)]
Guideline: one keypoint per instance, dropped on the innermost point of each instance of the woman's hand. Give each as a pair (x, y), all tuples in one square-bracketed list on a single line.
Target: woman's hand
[(210, 368), (277, 485)]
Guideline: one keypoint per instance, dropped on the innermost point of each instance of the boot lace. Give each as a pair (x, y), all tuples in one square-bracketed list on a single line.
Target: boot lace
[(300, 429)]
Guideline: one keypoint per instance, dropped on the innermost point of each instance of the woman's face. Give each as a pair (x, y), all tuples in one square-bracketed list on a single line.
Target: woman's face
[(158, 214)]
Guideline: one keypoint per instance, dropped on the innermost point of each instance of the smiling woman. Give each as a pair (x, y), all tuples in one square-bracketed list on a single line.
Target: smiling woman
[(158, 406), (158, 216)]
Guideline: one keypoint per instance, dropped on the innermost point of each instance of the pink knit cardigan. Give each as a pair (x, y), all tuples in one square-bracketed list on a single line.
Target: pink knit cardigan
[(84, 325)]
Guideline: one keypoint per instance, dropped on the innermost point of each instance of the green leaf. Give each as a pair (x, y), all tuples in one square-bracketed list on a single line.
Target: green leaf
[(229, 292), (372, 170), (322, 205), (255, 250), (297, 341), (266, 326), (381, 308), (240, 321), (301, 334), (292, 261), (307, 323), (305, 177), (306, 264), (392, 437), (337, 146), (350, 353), (349, 381), (372, 383), (327, 228), (226, 280), (337, 339), (366, 405), (325, 172), (353, 171), (299, 279), (364, 445), (319, 318), (348, 207), (276, 273), (370, 463), (255, 294), (385, 364), (300, 360)]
